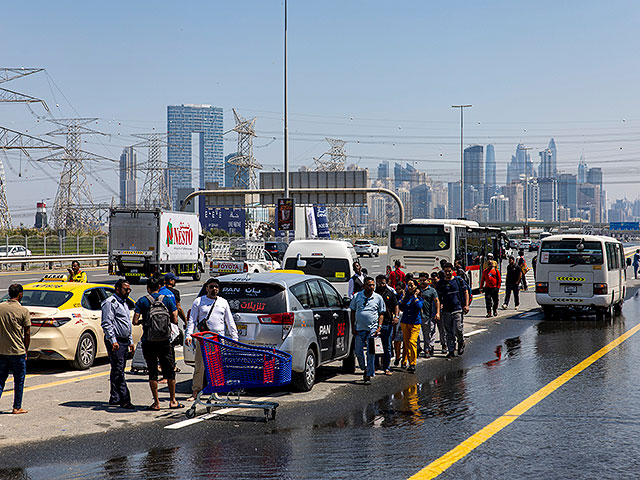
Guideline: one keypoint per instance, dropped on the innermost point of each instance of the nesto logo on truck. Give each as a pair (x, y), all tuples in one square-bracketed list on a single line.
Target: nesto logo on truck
[(182, 235)]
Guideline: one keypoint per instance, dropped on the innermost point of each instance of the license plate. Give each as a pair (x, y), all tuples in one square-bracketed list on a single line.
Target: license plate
[(134, 270), (571, 289), (242, 330)]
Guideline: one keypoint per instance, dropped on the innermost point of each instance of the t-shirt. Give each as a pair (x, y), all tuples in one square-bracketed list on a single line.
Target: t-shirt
[(513, 274), (176, 294), (368, 310), (390, 303), (166, 291), (14, 319), (451, 293), (429, 296), (143, 305)]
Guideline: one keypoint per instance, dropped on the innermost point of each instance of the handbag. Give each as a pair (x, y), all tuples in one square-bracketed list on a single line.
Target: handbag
[(202, 324)]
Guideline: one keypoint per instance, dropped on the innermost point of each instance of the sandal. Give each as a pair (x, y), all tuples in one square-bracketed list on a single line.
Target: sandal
[(175, 407), (153, 407)]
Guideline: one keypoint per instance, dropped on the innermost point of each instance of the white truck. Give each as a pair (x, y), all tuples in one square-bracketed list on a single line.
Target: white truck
[(147, 241), (238, 256)]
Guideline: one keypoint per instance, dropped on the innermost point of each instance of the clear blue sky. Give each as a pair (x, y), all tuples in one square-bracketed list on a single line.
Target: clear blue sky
[(382, 75)]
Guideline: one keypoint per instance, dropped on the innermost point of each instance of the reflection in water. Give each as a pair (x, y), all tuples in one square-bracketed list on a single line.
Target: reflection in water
[(160, 464), (513, 346), (496, 360), (117, 467)]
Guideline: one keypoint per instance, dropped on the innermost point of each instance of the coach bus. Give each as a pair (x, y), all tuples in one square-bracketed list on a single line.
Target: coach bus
[(421, 244)]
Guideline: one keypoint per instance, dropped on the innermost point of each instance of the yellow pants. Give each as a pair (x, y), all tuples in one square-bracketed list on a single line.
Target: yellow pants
[(410, 335)]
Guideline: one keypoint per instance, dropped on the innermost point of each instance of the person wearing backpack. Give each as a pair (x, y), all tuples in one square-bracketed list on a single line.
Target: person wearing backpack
[(490, 284), (522, 263), (157, 312), (209, 313), (454, 302)]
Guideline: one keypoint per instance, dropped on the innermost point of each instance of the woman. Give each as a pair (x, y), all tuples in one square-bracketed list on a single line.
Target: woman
[(411, 306), (397, 334)]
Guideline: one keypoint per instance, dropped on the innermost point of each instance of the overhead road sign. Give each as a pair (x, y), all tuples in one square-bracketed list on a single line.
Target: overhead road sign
[(624, 226), (339, 187)]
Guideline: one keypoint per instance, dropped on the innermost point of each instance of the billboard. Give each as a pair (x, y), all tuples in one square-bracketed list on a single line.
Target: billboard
[(285, 214), (178, 237), (229, 219), (624, 226), (322, 221)]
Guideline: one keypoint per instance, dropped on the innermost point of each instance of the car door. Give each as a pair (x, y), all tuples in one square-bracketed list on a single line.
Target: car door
[(92, 312), (341, 321), (322, 320)]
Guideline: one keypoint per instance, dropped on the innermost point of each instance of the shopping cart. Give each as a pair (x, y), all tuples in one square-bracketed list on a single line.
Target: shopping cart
[(231, 367)]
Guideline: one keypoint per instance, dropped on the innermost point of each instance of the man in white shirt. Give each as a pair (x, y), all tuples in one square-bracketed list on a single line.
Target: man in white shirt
[(216, 321), (356, 282)]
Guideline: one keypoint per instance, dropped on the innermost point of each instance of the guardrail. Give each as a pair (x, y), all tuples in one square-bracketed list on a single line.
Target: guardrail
[(52, 259)]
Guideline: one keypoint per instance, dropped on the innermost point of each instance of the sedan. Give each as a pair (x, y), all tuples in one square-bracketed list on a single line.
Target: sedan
[(65, 321), (14, 251)]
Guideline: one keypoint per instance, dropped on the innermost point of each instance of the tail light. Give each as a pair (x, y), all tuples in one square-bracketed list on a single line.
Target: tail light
[(542, 287), (600, 288), (49, 322), (245, 267), (277, 318)]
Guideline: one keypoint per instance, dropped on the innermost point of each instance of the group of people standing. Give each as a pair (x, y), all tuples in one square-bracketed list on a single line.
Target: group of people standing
[(398, 307)]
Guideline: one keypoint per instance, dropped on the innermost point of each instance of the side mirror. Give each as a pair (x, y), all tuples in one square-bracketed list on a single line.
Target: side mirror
[(346, 301), (300, 262), (628, 262)]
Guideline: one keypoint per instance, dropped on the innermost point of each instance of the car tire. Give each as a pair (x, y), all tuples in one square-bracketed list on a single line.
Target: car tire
[(304, 381), (85, 352), (617, 309), (548, 312), (197, 276)]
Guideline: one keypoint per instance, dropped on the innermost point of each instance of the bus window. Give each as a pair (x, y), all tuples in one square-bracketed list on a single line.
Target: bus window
[(566, 252), (425, 238)]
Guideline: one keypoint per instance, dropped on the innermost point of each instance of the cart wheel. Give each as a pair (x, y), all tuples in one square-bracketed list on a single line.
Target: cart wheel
[(209, 409), (266, 415), (273, 414), (191, 413)]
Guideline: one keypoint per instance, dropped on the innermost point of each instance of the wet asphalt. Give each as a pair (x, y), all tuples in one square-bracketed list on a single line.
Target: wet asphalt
[(588, 428)]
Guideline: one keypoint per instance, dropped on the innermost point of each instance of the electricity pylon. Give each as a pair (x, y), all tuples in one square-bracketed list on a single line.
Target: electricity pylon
[(244, 161), (154, 191)]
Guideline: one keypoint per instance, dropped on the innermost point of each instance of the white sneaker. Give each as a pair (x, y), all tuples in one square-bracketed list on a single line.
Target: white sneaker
[(516, 307), (504, 306)]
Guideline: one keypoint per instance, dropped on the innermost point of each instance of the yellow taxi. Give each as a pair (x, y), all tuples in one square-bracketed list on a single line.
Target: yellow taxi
[(65, 320)]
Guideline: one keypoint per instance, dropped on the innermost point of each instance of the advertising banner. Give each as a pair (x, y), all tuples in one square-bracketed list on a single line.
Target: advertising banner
[(229, 219), (322, 221), (311, 222), (178, 237), (285, 214)]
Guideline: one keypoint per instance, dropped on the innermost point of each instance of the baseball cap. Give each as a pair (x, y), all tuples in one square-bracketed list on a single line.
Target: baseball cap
[(490, 255), (171, 276)]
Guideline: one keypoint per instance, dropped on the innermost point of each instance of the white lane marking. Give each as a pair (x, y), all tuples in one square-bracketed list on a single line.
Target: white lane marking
[(475, 332), (188, 294), (222, 411), (25, 279), (102, 275), (71, 373)]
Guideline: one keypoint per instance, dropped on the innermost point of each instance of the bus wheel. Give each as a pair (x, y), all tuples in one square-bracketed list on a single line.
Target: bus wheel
[(617, 309), (548, 312)]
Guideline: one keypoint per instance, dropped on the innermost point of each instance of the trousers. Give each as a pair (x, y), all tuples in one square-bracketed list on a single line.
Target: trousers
[(386, 334), (368, 364), (512, 288), (491, 299), (118, 392), (452, 322), (410, 335), (17, 365), (429, 326)]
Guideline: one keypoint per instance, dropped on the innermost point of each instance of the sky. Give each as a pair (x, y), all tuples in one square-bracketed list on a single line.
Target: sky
[(380, 75)]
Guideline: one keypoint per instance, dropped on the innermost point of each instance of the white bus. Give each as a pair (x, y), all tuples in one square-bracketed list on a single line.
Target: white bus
[(582, 272), (421, 244)]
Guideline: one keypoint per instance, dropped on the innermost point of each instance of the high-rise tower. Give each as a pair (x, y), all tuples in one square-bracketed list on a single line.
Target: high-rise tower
[(490, 166), (128, 182)]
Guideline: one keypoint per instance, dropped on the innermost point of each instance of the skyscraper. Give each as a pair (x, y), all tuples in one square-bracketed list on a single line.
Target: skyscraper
[(499, 209), (383, 170), (230, 173), (568, 192), (453, 207), (548, 161), (420, 201), (473, 163), (548, 199), (128, 182), (582, 170), (182, 122), (490, 166), (521, 164)]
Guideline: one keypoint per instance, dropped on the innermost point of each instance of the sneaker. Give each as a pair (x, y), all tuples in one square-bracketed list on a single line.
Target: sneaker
[(444, 348), (367, 380), (411, 369), (431, 351), (451, 355), (488, 315), (504, 306), (495, 314), (516, 307), (396, 362), (128, 406), (461, 349)]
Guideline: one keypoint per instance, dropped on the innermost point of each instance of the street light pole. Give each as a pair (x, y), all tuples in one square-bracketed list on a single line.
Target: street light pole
[(461, 107), (286, 126)]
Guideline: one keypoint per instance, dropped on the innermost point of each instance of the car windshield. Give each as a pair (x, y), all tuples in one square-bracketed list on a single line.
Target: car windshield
[(420, 238), (254, 297), (42, 298), (567, 252), (333, 269)]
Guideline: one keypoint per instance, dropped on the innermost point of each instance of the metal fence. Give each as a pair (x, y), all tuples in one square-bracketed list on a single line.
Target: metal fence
[(56, 245)]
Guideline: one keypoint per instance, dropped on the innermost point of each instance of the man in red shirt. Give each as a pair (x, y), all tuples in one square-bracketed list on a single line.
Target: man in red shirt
[(490, 284), (397, 275)]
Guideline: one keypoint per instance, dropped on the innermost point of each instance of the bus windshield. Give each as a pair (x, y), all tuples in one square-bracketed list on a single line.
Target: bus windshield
[(420, 238), (565, 252)]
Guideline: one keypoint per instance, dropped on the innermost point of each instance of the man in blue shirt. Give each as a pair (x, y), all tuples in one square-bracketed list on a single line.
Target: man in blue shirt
[(367, 310), (116, 324), (430, 314), (454, 300), (157, 351)]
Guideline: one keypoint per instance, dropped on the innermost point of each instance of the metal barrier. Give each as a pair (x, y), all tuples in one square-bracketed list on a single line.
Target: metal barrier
[(51, 259)]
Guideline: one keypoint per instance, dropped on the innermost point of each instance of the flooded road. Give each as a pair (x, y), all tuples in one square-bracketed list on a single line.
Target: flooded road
[(587, 428)]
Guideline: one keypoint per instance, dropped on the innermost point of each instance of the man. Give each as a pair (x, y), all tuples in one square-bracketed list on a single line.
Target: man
[(367, 314), (75, 274), (512, 284), (636, 264), (460, 271), (356, 282), (170, 280), (522, 263), (430, 314), (391, 316), (443, 262), (15, 334), (490, 285), (215, 311), (116, 325), (396, 276), (454, 301), (155, 351)]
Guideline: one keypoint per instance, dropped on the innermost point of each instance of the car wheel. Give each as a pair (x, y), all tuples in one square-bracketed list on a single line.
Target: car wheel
[(197, 276), (303, 381), (548, 312), (617, 309), (85, 352)]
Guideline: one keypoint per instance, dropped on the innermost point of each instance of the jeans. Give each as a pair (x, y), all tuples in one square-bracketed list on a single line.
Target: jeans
[(453, 327), (17, 364), (635, 270), (491, 299), (119, 392), (362, 340), (386, 334), (512, 288), (429, 333)]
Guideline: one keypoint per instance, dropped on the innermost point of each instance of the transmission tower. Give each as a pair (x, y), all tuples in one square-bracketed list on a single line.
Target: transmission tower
[(244, 161), (74, 207), (154, 191), (9, 96)]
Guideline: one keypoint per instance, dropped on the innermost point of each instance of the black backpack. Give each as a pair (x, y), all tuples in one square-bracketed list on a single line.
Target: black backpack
[(158, 320)]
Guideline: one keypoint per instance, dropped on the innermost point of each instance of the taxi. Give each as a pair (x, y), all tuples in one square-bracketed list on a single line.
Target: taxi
[(65, 320)]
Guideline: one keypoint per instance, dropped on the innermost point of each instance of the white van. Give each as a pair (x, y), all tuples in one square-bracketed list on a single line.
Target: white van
[(583, 272), (330, 259)]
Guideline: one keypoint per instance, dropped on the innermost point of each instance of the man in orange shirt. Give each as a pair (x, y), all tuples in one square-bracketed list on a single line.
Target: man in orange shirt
[(490, 284)]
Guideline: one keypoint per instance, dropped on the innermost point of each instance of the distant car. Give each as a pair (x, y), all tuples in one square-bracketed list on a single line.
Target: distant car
[(276, 249), (366, 247), (65, 321), (534, 246), (303, 315), (14, 251), (525, 244), (513, 243)]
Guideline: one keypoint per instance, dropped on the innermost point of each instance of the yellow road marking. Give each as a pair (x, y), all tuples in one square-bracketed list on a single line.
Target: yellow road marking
[(72, 380), (438, 466)]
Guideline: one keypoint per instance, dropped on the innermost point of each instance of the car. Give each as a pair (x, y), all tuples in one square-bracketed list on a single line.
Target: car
[(65, 320), (366, 247), (276, 249), (303, 315), (534, 246), (513, 243), (525, 244), (14, 251)]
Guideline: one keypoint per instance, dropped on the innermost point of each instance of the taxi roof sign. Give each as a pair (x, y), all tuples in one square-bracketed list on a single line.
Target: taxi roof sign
[(55, 277)]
